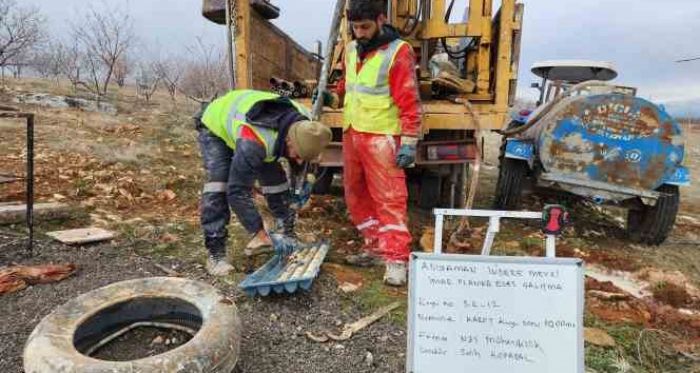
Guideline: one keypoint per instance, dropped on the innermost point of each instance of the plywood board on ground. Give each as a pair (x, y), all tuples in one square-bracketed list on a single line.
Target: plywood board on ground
[(81, 236), (5, 179)]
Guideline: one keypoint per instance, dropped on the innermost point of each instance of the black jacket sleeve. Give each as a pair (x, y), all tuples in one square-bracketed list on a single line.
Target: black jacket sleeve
[(247, 162)]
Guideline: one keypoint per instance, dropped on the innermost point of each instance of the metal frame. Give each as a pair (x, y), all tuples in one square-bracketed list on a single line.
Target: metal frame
[(493, 61), (600, 186), (494, 226), (524, 260), (12, 113)]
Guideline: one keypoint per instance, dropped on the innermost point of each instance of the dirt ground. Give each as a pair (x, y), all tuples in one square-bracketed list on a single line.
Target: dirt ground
[(139, 174), (273, 337)]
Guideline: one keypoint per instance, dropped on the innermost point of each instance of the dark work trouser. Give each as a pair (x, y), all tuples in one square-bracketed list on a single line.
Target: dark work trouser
[(219, 198)]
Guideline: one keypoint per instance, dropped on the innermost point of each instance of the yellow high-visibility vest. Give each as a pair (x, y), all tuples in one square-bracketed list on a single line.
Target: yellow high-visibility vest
[(369, 106), (226, 118)]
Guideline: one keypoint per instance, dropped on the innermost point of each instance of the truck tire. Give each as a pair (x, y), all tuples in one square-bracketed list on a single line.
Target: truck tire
[(651, 225), (62, 341), (511, 175)]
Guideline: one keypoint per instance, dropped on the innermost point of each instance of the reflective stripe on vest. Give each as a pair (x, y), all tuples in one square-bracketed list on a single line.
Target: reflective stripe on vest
[(369, 106), (235, 105)]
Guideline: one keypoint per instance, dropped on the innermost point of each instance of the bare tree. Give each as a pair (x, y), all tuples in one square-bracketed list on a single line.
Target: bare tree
[(20, 30), (147, 80), (49, 60), (17, 63), (103, 38), (72, 63), (205, 74), (41, 63), (122, 69), (170, 71)]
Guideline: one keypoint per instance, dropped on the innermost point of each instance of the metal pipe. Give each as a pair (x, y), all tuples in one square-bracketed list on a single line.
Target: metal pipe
[(543, 85), (30, 182), (229, 49), (425, 44), (138, 324), (319, 51), (550, 246), (439, 226), (453, 183), (328, 58)]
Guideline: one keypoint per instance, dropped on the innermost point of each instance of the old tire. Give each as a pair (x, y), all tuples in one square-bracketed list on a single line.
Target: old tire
[(651, 225), (56, 343), (511, 175)]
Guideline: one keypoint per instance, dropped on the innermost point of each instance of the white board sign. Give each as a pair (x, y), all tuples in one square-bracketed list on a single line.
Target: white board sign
[(495, 314)]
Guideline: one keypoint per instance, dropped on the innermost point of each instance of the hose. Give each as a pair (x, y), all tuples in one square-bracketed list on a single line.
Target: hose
[(415, 19), (476, 167), (548, 106), (462, 53)]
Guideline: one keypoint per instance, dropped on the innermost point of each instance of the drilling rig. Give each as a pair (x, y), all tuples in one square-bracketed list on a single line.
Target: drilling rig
[(480, 44)]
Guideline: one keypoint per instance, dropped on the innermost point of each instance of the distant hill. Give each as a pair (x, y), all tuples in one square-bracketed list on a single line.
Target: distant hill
[(684, 109)]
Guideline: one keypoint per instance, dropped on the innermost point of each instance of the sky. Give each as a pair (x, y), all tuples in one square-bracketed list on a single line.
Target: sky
[(643, 38)]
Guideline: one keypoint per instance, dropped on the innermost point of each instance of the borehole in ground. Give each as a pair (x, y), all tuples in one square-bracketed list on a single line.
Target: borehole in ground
[(138, 328)]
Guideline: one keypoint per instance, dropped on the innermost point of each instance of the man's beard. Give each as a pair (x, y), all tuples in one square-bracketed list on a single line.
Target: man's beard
[(367, 41), (364, 41)]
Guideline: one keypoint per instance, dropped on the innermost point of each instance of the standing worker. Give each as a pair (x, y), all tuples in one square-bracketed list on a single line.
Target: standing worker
[(242, 135), (382, 120)]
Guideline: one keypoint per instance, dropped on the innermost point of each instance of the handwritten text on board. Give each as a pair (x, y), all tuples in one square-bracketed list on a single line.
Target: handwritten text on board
[(495, 314)]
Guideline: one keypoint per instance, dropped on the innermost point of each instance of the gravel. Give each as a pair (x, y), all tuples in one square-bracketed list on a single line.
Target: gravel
[(274, 327)]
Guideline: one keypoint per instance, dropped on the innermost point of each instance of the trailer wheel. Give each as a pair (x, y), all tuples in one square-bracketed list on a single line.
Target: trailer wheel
[(510, 181), (651, 225), (65, 339)]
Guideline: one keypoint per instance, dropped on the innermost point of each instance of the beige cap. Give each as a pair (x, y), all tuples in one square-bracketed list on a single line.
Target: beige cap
[(309, 138)]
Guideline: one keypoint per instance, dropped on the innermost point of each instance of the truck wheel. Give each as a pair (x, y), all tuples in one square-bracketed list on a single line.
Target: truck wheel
[(325, 181), (510, 181), (652, 224), (65, 339)]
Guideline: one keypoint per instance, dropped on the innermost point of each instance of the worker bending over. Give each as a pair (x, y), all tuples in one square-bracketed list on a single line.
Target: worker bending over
[(242, 135)]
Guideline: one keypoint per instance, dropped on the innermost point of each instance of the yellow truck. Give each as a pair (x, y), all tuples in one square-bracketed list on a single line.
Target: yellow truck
[(483, 45)]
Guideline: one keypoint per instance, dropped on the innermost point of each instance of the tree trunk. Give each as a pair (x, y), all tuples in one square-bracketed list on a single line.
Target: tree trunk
[(108, 77)]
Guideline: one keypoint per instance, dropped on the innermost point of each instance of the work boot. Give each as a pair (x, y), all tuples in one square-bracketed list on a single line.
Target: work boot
[(396, 273), (364, 259), (218, 266), (260, 244), (250, 252)]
